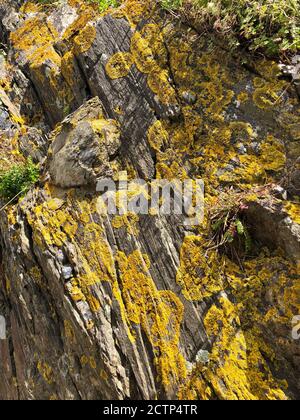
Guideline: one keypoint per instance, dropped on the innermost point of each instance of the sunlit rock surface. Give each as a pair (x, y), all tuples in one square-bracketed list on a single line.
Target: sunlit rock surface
[(140, 307)]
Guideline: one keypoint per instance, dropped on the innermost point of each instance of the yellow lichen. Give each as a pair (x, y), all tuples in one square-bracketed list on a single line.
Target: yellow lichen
[(46, 371), (119, 65), (159, 83), (85, 39), (93, 302), (203, 141), (293, 211), (273, 156), (160, 314), (69, 331), (35, 33), (134, 11), (128, 221), (148, 53), (157, 136), (199, 271), (269, 89), (239, 362)]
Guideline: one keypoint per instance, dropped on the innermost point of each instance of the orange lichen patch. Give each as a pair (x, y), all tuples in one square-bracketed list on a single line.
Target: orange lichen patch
[(158, 137), (134, 11), (119, 65), (33, 36), (85, 39), (160, 314), (142, 53), (68, 68), (159, 83), (87, 12)]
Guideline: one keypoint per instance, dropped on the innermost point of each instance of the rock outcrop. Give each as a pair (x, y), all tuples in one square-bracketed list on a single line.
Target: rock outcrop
[(102, 306)]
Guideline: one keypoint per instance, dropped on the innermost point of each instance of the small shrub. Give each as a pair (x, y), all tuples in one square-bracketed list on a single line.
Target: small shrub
[(229, 230), (271, 26), (18, 179)]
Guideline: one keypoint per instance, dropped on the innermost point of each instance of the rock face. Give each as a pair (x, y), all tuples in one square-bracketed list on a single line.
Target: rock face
[(83, 147), (141, 306)]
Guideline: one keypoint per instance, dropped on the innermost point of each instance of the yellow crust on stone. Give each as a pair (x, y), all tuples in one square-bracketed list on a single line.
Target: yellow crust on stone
[(119, 65), (160, 314)]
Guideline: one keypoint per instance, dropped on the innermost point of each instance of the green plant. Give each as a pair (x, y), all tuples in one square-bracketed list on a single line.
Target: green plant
[(18, 179), (105, 4), (230, 233), (271, 26), (46, 2), (171, 4)]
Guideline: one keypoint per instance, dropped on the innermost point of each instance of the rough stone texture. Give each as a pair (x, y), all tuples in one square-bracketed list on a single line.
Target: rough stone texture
[(82, 147), (128, 306), (276, 228)]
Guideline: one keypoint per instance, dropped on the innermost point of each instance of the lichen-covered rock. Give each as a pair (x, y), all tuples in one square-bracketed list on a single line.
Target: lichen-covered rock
[(276, 227), (83, 147), (142, 306)]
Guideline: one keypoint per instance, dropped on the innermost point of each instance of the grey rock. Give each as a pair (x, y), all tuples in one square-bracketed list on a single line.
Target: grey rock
[(280, 192), (242, 150), (203, 357), (4, 120), (67, 272), (189, 97), (81, 150), (276, 229), (92, 336)]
